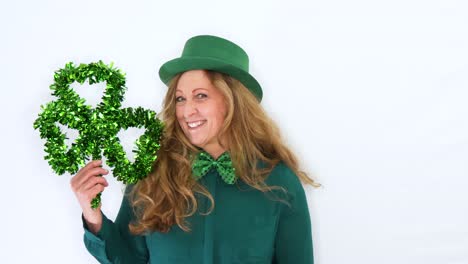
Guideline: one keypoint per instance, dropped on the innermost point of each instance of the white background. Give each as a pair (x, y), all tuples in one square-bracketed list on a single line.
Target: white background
[(371, 94)]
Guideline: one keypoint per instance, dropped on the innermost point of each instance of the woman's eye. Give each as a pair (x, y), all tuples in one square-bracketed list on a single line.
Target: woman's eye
[(201, 96), (179, 99)]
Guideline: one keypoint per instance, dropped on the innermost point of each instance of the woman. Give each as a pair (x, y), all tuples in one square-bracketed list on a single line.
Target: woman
[(224, 188)]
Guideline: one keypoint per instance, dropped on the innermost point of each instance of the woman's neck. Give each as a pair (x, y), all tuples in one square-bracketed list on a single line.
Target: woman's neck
[(214, 151)]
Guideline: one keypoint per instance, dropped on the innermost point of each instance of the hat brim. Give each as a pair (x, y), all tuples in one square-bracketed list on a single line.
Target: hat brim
[(171, 68)]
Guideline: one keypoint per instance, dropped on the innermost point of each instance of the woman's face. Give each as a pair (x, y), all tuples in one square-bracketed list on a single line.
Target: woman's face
[(200, 110)]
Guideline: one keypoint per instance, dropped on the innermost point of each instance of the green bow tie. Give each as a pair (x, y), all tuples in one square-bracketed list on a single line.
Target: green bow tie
[(204, 163)]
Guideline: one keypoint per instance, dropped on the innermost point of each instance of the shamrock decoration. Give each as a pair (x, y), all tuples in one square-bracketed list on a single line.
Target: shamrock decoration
[(97, 127)]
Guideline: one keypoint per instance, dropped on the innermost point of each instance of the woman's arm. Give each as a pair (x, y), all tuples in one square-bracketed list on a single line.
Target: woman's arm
[(114, 243), (293, 243)]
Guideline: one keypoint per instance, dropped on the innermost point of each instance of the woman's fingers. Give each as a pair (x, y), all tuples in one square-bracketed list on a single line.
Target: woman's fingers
[(90, 165), (90, 174), (77, 180), (95, 190), (86, 184), (92, 182), (91, 169)]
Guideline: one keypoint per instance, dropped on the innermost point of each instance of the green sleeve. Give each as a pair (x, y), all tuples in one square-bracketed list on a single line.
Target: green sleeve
[(114, 243), (293, 242)]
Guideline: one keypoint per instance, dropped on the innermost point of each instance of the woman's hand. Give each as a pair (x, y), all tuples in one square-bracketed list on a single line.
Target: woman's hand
[(86, 184)]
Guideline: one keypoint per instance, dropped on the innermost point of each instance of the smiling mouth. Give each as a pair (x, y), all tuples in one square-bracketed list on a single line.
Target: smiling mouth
[(196, 124)]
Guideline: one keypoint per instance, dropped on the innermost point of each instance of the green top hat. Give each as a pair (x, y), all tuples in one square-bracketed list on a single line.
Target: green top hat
[(216, 54)]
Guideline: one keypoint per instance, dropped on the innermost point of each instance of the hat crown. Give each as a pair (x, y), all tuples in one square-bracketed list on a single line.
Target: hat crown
[(207, 52), (216, 48)]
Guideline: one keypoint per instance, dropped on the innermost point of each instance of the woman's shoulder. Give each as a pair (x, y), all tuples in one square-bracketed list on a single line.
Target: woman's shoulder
[(284, 176)]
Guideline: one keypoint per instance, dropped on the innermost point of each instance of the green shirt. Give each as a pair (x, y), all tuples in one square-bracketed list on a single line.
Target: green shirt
[(245, 227)]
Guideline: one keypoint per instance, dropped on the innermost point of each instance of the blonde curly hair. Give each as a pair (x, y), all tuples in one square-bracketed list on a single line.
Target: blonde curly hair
[(167, 196)]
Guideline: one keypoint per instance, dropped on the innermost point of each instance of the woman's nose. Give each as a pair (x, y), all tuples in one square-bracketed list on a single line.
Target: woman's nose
[(189, 109)]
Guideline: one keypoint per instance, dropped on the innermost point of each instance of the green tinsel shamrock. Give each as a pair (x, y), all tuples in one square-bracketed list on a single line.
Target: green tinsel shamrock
[(97, 127)]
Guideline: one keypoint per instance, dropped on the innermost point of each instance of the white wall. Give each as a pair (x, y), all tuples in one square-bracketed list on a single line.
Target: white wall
[(371, 94)]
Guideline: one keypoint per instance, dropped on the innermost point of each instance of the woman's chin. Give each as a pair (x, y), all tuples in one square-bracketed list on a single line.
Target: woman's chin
[(197, 143)]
